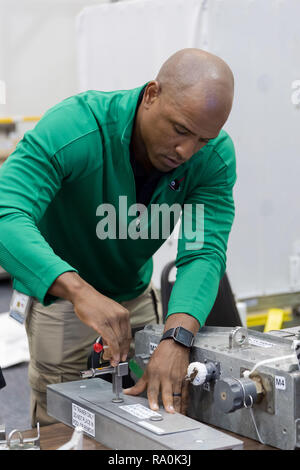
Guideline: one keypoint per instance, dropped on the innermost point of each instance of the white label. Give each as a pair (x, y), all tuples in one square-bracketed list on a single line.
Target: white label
[(19, 306), (260, 343), (83, 418), (280, 383), (153, 346), (139, 411), (151, 427), (20, 302)]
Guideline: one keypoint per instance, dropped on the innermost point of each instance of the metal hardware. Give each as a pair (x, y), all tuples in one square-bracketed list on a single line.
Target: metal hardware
[(238, 337), (117, 373), (32, 443), (271, 364)]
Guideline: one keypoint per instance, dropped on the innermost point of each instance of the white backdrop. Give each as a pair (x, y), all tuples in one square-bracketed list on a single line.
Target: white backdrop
[(38, 53), (261, 41), (122, 45)]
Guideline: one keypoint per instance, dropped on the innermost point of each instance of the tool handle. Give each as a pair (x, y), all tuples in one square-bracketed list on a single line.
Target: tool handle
[(95, 356)]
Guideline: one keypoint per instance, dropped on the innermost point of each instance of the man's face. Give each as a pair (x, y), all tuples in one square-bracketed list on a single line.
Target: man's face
[(173, 130)]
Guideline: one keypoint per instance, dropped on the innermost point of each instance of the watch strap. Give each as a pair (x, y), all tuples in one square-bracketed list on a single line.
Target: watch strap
[(180, 335), (168, 334)]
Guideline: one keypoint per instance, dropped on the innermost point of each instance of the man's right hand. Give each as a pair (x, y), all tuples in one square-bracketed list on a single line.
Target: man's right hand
[(107, 317)]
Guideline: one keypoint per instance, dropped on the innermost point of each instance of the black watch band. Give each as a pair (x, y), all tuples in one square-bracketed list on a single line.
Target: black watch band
[(180, 335)]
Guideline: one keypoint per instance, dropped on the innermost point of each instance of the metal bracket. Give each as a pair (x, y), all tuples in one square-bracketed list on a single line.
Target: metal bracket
[(31, 443), (267, 382), (117, 373), (238, 337)]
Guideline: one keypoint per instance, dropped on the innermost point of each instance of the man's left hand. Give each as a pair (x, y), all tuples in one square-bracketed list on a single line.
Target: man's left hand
[(165, 373), (167, 369)]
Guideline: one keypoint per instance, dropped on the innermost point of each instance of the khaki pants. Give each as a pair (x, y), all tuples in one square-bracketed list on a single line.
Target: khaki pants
[(59, 344)]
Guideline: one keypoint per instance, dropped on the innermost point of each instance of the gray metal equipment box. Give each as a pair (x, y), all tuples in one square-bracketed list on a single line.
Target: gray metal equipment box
[(130, 424), (264, 405)]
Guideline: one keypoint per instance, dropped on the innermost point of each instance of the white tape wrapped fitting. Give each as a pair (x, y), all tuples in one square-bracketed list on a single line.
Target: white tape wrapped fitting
[(200, 378)]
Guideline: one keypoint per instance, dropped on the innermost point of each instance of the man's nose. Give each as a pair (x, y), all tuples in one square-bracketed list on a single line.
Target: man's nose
[(185, 150)]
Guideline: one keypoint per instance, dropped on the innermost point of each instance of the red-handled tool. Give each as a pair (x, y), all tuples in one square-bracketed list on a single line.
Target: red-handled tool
[(95, 357), (94, 370), (98, 347)]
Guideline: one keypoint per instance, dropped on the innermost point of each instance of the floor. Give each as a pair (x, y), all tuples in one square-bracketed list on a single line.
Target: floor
[(15, 397)]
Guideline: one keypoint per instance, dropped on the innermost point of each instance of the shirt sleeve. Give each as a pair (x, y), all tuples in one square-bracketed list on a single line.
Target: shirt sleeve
[(29, 181), (207, 218)]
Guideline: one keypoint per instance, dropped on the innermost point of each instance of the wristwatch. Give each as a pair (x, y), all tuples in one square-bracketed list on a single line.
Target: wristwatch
[(180, 335)]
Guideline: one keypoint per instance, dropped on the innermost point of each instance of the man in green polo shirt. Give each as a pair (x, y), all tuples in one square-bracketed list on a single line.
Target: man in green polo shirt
[(89, 273)]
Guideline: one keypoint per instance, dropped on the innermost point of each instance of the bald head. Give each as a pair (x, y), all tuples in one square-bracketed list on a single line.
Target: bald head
[(197, 73), (183, 109)]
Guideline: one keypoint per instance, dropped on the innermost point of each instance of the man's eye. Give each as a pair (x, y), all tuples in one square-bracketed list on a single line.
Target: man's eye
[(180, 131)]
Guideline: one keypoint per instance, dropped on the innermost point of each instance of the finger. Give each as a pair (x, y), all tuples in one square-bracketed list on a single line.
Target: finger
[(167, 396), (126, 343), (184, 399), (106, 354), (120, 344), (126, 338), (109, 337), (137, 389), (124, 355), (177, 400), (153, 392), (177, 395)]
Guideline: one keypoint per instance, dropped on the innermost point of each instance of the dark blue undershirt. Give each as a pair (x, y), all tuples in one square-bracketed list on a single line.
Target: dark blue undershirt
[(145, 183)]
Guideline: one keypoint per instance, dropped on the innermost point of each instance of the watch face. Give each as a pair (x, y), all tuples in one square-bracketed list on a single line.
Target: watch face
[(184, 336)]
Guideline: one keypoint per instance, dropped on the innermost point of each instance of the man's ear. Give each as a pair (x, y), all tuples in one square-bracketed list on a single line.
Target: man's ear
[(151, 94)]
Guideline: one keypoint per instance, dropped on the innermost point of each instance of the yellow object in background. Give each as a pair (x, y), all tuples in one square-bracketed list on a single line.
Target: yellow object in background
[(273, 319), (16, 119)]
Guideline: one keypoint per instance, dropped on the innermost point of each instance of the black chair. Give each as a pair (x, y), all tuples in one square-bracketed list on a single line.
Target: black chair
[(224, 311), (2, 381)]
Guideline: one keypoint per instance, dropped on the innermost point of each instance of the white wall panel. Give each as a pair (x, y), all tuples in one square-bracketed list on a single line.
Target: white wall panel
[(261, 42), (38, 53), (123, 45)]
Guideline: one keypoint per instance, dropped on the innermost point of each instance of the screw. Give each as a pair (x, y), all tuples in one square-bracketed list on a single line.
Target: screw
[(156, 418)]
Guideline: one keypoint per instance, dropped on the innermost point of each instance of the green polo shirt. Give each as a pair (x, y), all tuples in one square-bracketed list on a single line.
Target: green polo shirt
[(74, 164)]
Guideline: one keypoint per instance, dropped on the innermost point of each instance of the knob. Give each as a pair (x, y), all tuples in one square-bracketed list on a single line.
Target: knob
[(231, 394)]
